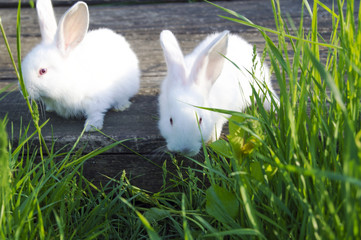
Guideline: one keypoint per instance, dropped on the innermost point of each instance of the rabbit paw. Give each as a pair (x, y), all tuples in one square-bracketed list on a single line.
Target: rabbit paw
[(93, 124), (122, 106)]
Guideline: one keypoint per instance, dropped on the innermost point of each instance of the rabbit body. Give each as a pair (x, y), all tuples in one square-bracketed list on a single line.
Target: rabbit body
[(204, 78), (84, 76)]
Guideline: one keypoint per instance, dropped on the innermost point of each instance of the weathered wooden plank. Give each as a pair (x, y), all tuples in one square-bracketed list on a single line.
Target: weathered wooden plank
[(145, 171), (26, 3), (141, 25)]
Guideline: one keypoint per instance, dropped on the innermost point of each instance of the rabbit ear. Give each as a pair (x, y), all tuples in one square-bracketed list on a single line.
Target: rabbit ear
[(47, 21), (209, 64), (73, 27), (173, 56)]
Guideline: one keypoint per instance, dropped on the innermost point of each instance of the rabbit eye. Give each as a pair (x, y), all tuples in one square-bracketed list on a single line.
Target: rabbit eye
[(43, 71), (171, 121)]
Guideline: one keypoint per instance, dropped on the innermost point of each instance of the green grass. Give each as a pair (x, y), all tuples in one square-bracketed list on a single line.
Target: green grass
[(291, 173)]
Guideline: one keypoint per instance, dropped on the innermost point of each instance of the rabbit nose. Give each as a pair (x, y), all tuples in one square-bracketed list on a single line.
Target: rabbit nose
[(185, 150)]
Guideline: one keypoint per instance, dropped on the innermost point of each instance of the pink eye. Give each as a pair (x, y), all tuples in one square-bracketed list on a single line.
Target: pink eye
[(171, 121), (43, 71)]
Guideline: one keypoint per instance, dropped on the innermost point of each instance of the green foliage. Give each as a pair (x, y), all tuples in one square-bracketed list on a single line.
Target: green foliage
[(52, 198), (4, 166), (301, 167), (222, 204), (5, 190)]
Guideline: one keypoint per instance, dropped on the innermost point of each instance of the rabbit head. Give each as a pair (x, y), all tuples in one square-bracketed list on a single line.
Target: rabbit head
[(44, 65), (186, 87)]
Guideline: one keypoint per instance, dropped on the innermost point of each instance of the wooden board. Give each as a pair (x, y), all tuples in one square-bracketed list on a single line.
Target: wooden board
[(26, 3)]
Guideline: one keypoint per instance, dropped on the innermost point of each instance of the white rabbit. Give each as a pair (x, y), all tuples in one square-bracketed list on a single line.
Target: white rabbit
[(205, 78), (80, 73)]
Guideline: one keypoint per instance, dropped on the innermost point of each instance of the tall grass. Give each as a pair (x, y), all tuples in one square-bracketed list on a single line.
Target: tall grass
[(313, 141), (291, 173), (294, 172)]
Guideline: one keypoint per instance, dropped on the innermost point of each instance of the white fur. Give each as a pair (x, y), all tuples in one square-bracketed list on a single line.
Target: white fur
[(87, 72), (205, 78)]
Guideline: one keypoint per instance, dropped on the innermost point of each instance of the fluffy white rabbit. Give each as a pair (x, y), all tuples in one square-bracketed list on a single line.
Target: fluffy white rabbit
[(205, 78), (79, 73)]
